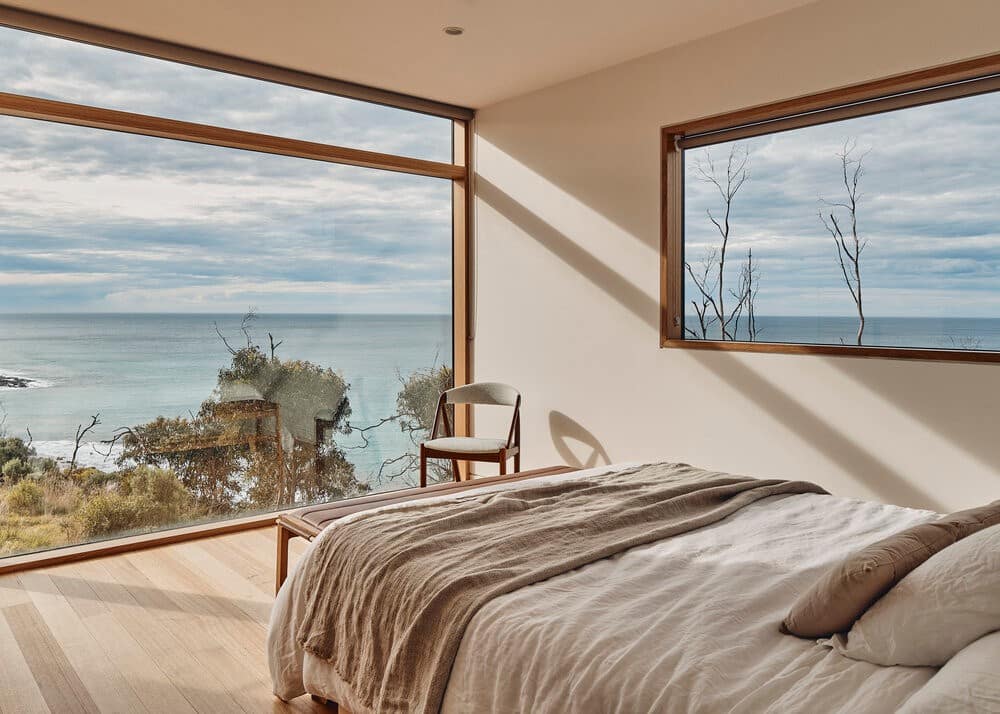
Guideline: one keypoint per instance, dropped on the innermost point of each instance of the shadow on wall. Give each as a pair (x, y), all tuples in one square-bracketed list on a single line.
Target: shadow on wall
[(837, 446), (958, 408), (616, 285), (571, 438)]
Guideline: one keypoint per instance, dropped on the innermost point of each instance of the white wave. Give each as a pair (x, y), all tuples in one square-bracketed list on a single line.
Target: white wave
[(33, 382), (89, 456)]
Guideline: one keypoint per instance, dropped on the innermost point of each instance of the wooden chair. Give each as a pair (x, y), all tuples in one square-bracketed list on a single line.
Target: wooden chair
[(467, 448)]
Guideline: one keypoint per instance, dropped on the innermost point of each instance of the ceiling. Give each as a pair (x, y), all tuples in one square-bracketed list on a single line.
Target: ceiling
[(509, 47)]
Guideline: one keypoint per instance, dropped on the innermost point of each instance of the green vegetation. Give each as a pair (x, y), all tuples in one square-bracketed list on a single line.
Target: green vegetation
[(26, 498), (264, 439)]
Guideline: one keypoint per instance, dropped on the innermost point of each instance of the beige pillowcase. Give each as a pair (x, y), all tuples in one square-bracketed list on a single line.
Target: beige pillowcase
[(843, 593), (930, 615), (968, 684)]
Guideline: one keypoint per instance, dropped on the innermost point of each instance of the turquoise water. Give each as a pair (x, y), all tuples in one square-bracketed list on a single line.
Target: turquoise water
[(134, 367)]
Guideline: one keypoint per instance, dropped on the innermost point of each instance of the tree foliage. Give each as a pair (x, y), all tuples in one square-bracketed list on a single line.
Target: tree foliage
[(230, 464), (12, 447)]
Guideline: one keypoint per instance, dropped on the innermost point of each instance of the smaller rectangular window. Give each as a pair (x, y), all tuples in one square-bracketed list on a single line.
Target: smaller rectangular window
[(862, 228)]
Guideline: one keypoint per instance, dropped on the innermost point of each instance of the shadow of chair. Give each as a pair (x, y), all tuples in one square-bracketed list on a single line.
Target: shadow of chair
[(567, 432)]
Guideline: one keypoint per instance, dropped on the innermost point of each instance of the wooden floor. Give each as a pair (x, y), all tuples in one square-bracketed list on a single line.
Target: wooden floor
[(174, 629)]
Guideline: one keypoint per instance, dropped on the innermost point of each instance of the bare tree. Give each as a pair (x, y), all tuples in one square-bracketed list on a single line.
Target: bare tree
[(710, 279), (274, 345), (245, 327), (702, 281), (850, 244), (746, 296), (81, 431)]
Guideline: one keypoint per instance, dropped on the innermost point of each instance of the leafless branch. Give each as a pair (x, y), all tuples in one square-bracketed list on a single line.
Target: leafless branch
[(247, 322), (222, 337), (81, 431), (274, 345), (849, 243), (362, 430), (727, 183)]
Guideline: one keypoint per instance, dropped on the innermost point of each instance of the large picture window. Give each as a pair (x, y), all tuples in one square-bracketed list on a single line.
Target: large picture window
[(865, 227), (199, 321)]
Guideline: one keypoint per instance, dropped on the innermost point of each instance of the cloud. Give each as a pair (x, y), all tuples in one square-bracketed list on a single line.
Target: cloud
[(928, 209), (167, 225), (47, 279)]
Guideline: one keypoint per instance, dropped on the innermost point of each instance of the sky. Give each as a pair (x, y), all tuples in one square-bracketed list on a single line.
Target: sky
[(929, 209), (97, 221)]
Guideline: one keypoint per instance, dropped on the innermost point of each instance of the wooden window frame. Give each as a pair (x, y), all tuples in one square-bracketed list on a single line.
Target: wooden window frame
[(185, 54), (951, 81), (459, 172)]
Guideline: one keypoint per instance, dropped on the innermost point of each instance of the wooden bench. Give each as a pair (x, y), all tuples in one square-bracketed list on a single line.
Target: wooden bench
[(310, 521)]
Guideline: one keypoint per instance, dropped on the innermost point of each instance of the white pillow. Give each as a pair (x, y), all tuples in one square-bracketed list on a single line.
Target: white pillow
[(970, 682), (950, 600)]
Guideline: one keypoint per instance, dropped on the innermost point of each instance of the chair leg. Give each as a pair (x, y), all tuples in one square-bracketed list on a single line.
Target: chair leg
[(503, 462), (423, 467), (517, 462), (281, 562), (456, 474)]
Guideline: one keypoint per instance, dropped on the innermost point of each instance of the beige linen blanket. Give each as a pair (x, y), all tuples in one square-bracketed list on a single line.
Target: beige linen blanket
[(391, 592)]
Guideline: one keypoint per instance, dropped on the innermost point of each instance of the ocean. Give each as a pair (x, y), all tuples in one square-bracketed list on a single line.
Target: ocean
[(131, 368), (970, 333)]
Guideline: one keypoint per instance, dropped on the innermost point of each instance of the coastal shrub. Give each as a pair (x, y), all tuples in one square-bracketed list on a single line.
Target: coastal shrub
[(26, 498), (94, 479), (13, 448), (148, 497), (62, 497), (43, 465), (165, 498), (107, 513), (15, 470)]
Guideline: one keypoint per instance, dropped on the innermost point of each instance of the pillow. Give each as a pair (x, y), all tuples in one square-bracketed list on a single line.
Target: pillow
[(843, 593), (970, 682), (943, 605)]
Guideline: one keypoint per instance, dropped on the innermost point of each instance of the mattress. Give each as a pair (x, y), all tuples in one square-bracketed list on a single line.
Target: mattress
[(687, 624)]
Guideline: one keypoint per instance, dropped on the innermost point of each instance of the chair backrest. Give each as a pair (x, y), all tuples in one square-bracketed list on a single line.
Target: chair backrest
[(483, 393)]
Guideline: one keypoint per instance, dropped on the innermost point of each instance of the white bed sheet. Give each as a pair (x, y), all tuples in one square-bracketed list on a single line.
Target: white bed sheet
[(687, 624)]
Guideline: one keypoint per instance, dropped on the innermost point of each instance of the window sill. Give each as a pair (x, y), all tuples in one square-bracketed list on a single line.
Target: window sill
[(909, 353), (125, 544)]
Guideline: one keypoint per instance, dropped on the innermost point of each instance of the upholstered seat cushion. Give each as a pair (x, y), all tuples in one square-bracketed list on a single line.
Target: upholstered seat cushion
[(466, 444)]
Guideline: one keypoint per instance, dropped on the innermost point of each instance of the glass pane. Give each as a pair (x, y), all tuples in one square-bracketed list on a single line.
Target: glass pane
[(877, 231), (52, 68), (130, 265)]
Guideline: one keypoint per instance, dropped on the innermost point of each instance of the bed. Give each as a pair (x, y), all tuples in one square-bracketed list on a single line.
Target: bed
[(683, 624)]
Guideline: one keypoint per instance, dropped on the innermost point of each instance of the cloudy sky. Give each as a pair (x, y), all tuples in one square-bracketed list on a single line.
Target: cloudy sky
[(96, 221), (930, 209)]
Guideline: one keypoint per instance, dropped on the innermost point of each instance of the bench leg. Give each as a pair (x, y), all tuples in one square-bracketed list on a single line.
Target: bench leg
[(332, 706), (281, 561)]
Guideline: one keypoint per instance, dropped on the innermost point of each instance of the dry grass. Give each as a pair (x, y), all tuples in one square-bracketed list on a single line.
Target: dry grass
[(48, 525), (19, 534)]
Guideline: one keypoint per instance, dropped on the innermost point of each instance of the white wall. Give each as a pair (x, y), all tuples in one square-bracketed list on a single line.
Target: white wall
[(567, 276)]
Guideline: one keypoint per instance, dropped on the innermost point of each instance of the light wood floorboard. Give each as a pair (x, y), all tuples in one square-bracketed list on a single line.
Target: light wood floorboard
[(179, 628)]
